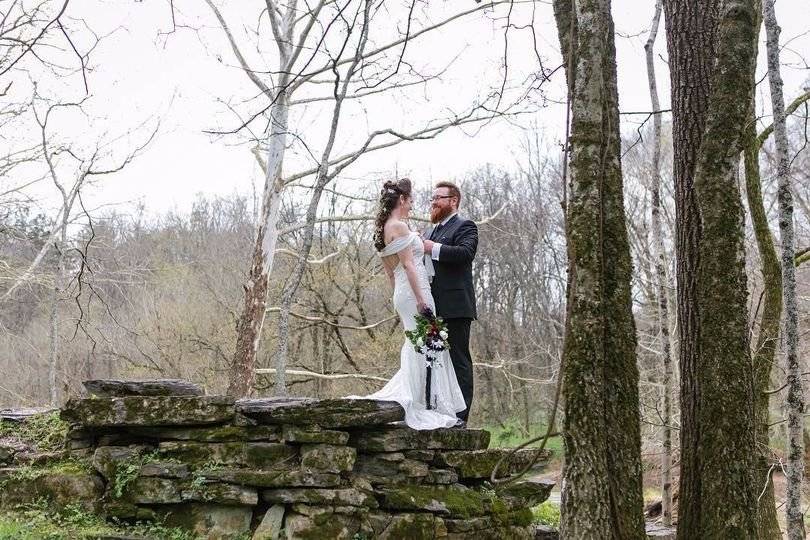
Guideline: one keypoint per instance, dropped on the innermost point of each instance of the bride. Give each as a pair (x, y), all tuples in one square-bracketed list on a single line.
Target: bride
[(402, 252)]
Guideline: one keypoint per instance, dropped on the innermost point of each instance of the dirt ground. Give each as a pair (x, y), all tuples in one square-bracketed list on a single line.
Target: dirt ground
[(652, 492)]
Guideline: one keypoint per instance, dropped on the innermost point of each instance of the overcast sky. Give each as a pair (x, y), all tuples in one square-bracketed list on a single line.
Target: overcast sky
[(185, 78)]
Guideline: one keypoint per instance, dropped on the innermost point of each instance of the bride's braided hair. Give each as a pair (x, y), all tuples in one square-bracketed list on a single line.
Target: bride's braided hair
[(389, 198)]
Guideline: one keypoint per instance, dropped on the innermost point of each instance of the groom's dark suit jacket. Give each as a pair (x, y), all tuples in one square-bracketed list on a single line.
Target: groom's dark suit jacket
[(452, 286)]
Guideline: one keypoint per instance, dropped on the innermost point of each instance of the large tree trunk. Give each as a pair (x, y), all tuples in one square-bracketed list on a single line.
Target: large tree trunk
[(660, 277), (251, 321), (602, 475), (712, 50), (795, 397)]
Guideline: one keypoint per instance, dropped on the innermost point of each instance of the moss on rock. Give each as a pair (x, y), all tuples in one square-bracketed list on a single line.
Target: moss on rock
[(451, 500), (269, 479), (327, 458), (314, 434), (414, 527), (248, 454), (149, 411), (332, 526), (480, 463), (404, 438), (318, 496), (61, 484)]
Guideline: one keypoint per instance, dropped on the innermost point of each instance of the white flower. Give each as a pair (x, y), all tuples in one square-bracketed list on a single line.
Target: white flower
[(420, 342), (443, 334)]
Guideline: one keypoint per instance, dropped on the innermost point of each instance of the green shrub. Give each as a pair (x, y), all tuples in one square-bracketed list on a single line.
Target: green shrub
[(512, 433)]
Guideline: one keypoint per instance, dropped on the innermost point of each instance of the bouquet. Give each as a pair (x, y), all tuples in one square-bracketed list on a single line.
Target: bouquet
[(430, 337)]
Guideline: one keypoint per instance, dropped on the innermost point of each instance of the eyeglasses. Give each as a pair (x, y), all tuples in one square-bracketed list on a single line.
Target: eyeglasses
[(439, 197)]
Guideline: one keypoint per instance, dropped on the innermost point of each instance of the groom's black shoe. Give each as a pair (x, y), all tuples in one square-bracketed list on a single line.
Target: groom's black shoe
[(460, 424)]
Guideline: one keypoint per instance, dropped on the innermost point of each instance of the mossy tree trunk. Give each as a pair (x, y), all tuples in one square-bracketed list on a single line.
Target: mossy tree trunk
[(768, 332), (602, 495), (712, 50)]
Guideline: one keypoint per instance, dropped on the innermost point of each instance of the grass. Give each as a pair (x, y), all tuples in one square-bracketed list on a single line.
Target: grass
[(46, 432), (512, 433), (547, 513), (40, 522)]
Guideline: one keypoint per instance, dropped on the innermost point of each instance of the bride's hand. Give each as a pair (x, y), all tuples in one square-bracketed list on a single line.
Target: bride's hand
[(421, 307)]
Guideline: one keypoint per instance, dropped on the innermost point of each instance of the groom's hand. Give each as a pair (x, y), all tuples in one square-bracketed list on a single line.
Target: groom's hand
[(428, 245)]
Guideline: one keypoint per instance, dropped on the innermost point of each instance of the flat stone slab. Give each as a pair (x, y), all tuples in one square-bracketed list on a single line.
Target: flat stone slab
[(155, 490), (227, 433), (546, 532), (22, 413), (480, 463), (389, 468), (326, 413), (455, 501), (142, 387), (659, 532), (527, 492), (396, 439), (149, 411), (313, 434), (249, 454), (271, 479), (320, 497)]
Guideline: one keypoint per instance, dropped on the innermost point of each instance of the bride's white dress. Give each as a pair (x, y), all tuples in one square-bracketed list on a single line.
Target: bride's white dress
[(407, 387)]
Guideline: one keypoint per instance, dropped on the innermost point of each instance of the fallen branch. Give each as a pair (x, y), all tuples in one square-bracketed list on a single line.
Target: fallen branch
[(327, 376), (322, 260), (332, 323)]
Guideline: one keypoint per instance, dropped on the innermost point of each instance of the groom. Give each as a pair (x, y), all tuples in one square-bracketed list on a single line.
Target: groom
[(452, 243)]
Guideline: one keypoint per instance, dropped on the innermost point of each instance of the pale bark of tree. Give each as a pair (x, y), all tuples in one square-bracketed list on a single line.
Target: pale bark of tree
[(251, 321), (660, 277), (56, 298), (712, 51), (602, 473), (795, 396)]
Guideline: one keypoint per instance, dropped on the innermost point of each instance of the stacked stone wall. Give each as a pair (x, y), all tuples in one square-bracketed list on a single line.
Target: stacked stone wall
[(280, 468)]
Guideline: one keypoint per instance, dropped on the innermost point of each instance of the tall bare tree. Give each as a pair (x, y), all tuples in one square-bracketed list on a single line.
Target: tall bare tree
[(602, 472), (712, 51), (315, 43), (795, 396), (660, 274)]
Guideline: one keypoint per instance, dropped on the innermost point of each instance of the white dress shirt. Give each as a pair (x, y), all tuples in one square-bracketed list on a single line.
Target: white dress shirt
[(437, 247)]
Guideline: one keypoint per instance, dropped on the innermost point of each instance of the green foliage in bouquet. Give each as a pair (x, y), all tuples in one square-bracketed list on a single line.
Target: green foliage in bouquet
[(430, 335)]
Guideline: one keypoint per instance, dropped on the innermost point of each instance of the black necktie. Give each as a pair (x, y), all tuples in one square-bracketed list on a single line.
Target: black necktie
[(436, 231)]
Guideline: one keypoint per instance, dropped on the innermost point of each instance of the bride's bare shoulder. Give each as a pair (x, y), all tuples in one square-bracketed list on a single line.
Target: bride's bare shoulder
[(395, 228)]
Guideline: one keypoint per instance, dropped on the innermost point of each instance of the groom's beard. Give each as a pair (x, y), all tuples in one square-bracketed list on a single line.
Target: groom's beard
[(438, 214)]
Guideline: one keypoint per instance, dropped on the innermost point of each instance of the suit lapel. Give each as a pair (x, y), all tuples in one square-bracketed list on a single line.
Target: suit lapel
[(447, 228)]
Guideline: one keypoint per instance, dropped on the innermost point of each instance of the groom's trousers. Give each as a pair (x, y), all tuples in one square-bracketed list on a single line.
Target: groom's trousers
[(459, 338)]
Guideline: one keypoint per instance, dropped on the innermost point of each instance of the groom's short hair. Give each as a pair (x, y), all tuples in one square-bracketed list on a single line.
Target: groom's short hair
[(452, 188)]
